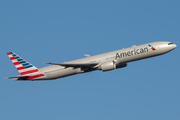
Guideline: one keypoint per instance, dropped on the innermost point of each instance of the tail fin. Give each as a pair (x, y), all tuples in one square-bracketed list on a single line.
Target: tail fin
[(24, 67)]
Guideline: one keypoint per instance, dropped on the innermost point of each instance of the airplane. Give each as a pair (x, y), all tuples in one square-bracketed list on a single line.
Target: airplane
[(105, 62)]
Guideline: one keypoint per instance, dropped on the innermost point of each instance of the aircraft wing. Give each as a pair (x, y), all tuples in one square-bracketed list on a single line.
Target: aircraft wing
[(75, 65)]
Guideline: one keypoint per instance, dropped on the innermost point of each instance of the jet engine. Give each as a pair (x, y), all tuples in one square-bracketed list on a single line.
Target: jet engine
[(111, 65), (106, 66)]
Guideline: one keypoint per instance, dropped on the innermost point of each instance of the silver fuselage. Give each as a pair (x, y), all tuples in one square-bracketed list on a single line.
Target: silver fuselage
[(119, 56)]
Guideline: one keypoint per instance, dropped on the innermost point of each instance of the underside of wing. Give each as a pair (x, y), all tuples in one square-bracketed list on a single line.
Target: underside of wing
[(75, 65)]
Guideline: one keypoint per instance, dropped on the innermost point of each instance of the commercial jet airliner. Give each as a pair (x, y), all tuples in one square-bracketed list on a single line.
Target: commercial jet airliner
[(105, 62)]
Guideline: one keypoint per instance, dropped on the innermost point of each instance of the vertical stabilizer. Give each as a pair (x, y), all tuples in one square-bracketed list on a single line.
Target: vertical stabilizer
[(24, 67)]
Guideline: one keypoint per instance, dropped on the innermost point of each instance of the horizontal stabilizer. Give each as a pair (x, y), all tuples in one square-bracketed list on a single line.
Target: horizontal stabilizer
[(18, 77)]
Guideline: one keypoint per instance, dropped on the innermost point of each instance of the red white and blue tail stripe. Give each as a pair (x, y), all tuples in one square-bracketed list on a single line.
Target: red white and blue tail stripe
[(24, 67)]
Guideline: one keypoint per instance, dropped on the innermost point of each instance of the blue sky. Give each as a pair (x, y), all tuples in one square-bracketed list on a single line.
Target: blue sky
[(57, 31)]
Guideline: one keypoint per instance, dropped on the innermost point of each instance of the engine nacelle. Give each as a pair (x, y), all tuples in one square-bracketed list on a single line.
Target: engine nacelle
[(111, 65), (106, 66)]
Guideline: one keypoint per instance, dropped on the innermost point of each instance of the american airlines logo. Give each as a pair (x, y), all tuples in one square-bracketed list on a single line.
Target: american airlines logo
[(134, 52), (151, 47)]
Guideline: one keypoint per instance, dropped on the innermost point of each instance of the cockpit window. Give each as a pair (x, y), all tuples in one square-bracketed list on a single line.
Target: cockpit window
[(170, 43)]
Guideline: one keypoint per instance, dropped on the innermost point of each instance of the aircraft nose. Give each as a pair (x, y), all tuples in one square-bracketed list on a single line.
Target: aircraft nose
[(175, 45), (172, 45)]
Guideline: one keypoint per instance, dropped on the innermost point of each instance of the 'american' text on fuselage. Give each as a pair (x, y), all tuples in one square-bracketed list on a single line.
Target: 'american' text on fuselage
[(132, 52)]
